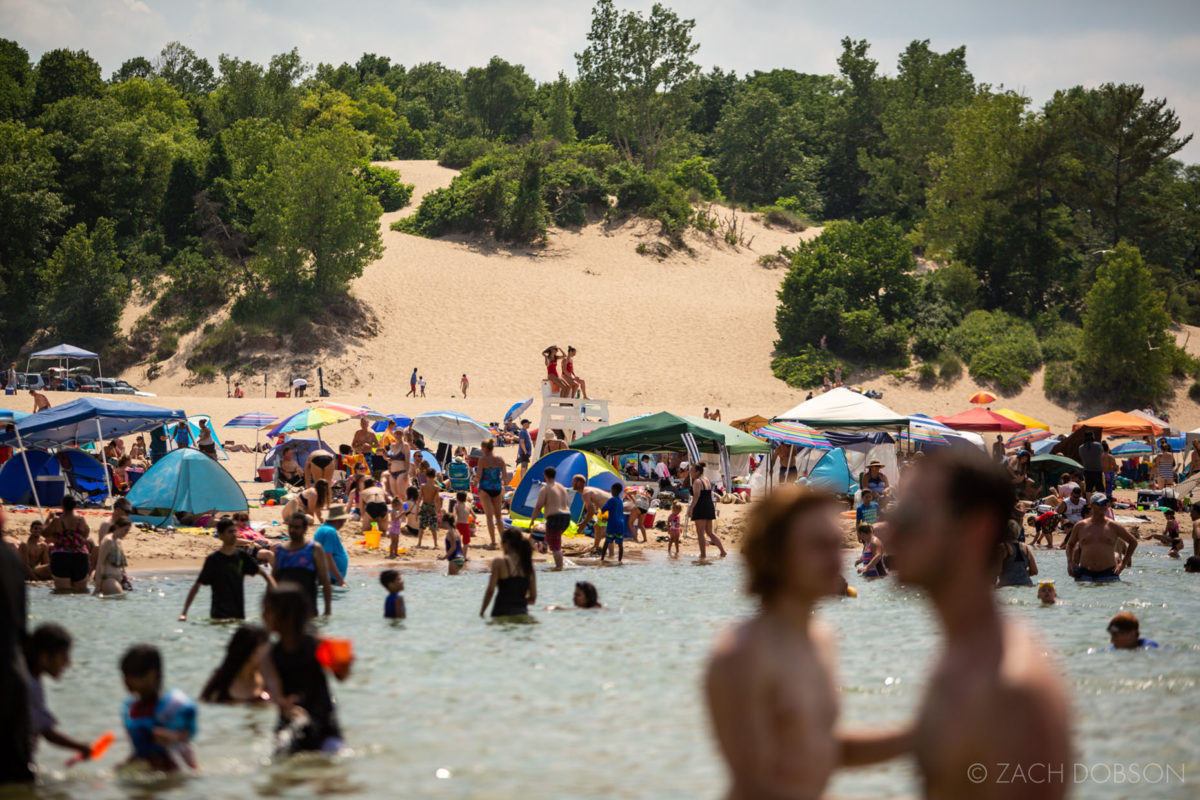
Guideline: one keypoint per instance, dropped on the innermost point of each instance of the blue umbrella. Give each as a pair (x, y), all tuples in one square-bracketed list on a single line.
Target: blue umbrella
[(517, 410), (400, 420), (1133, 448)]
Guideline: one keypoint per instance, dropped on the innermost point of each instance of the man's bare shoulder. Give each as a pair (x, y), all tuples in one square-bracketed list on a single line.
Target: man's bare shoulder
[(1027, 675), (739, 646)]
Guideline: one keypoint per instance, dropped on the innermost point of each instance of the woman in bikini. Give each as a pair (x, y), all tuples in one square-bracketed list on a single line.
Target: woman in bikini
[(290, 473), (573, 380), (397, 481), (111, 561), (551, 355), (490, 476), (309, 502), (67, 535)]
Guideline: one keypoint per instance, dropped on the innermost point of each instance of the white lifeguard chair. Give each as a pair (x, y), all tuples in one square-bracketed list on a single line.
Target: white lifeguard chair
[(571, 415)]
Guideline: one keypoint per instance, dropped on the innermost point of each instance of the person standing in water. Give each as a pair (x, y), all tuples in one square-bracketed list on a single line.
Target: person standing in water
[(303, 563), (111, 562), (615, 530), (995, 699), (490, 474), (1092, 545), (67, 535), (771, 691), (553, 498), (703, 511), (513, 581), (224, 571)]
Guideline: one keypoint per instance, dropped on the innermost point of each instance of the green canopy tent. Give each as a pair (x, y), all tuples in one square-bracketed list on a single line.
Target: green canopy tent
[(661, 432)]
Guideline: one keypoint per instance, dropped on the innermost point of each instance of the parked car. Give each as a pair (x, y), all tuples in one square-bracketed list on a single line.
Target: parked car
[(30, 380), (85, 383), (113, 386)]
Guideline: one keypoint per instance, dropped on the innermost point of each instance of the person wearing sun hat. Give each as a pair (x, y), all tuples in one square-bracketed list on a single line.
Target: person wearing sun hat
[(1093, 542), (875, 480)]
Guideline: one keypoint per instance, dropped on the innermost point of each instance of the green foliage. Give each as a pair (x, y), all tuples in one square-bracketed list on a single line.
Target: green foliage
[(385, 185), (168, 345), (16, 80), (807, 368), (462, 153), (498, 96), (84, 288), (1194, 392), (177, 214), (949, 367), (65, 73), (692, 174), (1061, 380), (998, 348), (927, 374)]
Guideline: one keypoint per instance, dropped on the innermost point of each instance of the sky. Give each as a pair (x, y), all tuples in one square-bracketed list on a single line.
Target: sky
[(1032, 47)]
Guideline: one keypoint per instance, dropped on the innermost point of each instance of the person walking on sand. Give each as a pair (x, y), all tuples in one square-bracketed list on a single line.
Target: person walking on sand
[(703, 511), (40, 403), (466, 384), (771, 692), (412, 384), (524, 445), (573, 381), (995, 699), (421, 380), (553, 498), (490, 475)]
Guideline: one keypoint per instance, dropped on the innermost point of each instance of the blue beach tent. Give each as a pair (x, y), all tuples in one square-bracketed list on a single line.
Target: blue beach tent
[(832, 474), (184, 480), (567, 464), (87, 476)]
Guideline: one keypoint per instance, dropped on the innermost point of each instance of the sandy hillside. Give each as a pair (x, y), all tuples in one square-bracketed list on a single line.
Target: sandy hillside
[(693, 330)]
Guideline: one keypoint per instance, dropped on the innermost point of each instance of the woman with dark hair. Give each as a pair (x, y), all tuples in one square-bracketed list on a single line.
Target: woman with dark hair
[(70, 563), (513, 580), (585, 597), (551, 355), (238, 679), (309, 502), (290, 471), (490, 477), (303, 563), (703, 511)]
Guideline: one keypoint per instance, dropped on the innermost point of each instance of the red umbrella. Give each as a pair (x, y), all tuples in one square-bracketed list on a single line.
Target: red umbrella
[(980, 419), (982, 398)]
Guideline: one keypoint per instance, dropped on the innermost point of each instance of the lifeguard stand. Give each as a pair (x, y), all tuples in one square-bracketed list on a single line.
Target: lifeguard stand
[(571, 415)]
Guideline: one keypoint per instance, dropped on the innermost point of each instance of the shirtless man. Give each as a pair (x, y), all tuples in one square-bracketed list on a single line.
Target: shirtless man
[(554, 500), (431, 508), (995, 705), (364, 440), (319, 467), (593, 499), (40, 403), (1093, 543), (771, 690), (36, 554)]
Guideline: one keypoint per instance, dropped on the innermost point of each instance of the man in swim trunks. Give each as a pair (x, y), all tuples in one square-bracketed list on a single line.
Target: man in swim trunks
[(431, 507), (524, 444), (593, 499), (40, 403), (995, 698), (319, 467), (412, 384), (1092, 545), (555, 501)]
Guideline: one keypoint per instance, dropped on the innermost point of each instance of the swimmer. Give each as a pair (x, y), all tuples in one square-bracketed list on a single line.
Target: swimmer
[(1170, 535), (160, 725), (1047, 594), (615, 532), (224, 570), (454, 546), (1092, 544), (36, 554), (1124, 633), (238, 679), (393, 604), (585, 597), (1192, 564), (870, 563), (111, 562)]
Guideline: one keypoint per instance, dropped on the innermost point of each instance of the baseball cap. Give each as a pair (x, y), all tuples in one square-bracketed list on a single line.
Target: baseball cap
[(1099, 499)]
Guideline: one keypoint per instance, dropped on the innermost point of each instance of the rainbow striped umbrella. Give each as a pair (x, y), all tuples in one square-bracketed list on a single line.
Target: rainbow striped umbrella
[(1027, 436), (354, 411), (793, 433), (311, 419)]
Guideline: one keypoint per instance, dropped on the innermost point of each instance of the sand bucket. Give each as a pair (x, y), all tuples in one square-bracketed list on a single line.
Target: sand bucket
[(371, 537)]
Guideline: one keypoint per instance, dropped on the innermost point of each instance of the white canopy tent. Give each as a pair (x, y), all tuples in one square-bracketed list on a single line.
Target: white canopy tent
[(843, 410)]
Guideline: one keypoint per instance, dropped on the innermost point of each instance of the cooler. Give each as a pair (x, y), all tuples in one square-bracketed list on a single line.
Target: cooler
[(266, 474)]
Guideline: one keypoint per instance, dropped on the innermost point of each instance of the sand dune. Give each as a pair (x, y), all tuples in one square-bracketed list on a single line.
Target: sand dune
[(692, 330)]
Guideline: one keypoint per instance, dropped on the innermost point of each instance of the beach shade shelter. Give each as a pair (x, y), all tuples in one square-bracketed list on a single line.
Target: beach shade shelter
[(793, 433), (517, 410), (749, 424), (981, 398), (34, 477), (1028, 422), (63, 353), (831, 473), (184, 480), (1167, 428), (1119, 423), (1046, 445), (303, 448), (450, 427), (1135, 447), (567, 464), (980, 419), (401, 422), (193, 423), (843, 410), (662, 432), (256, 420), (8, 415), (88, 419)]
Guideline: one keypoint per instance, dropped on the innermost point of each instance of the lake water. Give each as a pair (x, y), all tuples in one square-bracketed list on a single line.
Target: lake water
[(608, 704)]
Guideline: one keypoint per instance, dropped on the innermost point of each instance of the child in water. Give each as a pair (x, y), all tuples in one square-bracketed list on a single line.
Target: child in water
[(49, 653), (614, 507), (395, 525), (867, 512), (462, 520), (295, 678), (160, 725), (675, 527), (1170, 537), (1047, 594), (870, 563), (393, 604), (454, 546)]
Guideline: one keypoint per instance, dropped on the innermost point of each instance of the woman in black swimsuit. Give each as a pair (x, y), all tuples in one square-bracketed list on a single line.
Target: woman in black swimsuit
[(702, 510), (290, 472), (397, 481), (513, 580)]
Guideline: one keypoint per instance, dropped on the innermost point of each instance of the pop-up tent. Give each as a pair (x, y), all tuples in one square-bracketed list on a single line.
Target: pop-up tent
[(184, 480), (1118, 423), (567, 464), (86, 477), (831, 473), (843, 410), (63, 353)]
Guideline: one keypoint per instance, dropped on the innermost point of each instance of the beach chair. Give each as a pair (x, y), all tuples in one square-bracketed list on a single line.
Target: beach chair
[(460, 476)]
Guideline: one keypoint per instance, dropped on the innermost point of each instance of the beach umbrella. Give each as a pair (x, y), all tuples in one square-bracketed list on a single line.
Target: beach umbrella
[(919, 434), (429, 459), (517, 409), (1027, 436), (793, 433), (450, 427), (1051, 461), (1046, 445), (354, 411), (982, 398), (401, 422), (257, 420), (1133, 448), (310, 419)]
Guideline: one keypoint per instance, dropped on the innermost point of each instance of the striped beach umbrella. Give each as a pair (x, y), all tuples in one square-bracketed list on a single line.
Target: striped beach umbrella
[(793, 433), (982, 398), (257, 420), (354, 411), (310, 419), (1133, 448), (1027, 436)]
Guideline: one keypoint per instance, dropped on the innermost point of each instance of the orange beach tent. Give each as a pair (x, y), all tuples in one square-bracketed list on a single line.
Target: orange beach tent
[(1118, 423)]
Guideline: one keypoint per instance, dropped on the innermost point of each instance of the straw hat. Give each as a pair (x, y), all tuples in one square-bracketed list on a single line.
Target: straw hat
[(875, 462), (337, 514)]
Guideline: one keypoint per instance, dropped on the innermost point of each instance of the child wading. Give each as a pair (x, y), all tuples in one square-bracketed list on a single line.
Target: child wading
[(160, 725), (49, 653), (615, 534)]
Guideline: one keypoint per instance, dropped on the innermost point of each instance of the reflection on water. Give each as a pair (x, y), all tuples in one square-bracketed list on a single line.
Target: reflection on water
[(601, 704)]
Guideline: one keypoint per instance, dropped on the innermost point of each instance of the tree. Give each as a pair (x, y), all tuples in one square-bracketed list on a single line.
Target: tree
[(183, 69), (177, 213), (526, 218), (16, 80), (1126, 351), (560, 111), (498, 96), (712, 91), (635, 77), (65, 73), (83, 287), (757, 145), (855, 127), (316, 223), (376, 105), (136, 67)]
